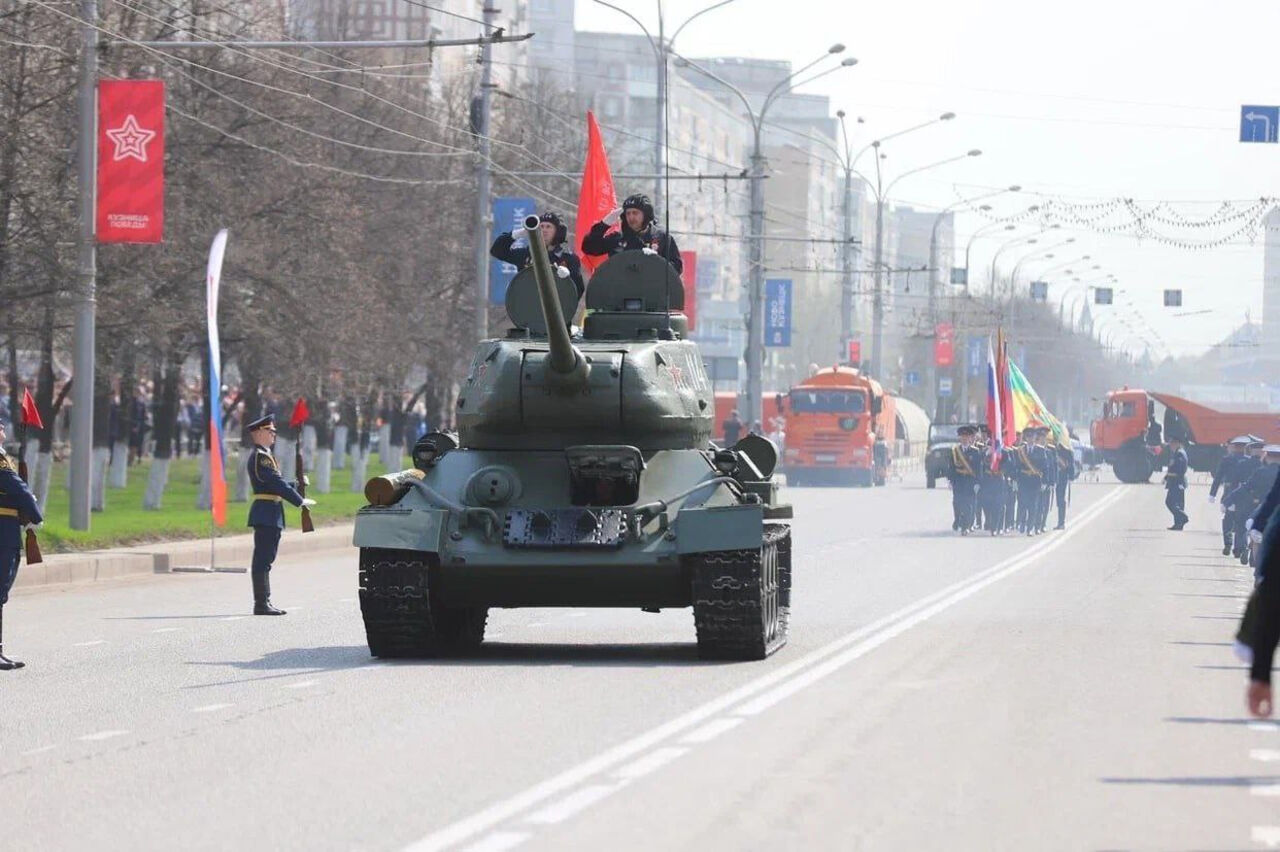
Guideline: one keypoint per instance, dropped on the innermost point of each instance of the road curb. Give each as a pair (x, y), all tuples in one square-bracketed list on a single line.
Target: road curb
[(163, 557)]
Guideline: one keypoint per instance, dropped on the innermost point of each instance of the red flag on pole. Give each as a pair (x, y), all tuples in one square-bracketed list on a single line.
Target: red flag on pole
[(1010, 431), (130, 205), (596, 198), (301, 413), (30, 414)]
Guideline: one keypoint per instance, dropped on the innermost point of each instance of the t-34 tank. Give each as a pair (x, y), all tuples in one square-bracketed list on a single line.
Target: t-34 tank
[(582, 475)]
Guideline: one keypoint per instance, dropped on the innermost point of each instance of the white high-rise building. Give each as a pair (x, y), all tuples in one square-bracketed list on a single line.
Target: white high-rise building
[(1271, 287)]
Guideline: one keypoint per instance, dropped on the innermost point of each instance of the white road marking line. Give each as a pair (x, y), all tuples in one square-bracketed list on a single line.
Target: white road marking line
[(537, 624), (166, 629), (711, 730), (650, 763), (1266, 755), (300, 685), (499, 841), (576, 615), (481, 821), (101, 735), (233, 618), (1269, 727), (40, 750), (573, 803), (88, 644), (1266, 834), (211, 708), (1265, 789), (346, 600)]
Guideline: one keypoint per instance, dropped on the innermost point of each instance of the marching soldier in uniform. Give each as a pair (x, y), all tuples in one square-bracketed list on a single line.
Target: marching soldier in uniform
[(1245, 468), (1067, 471), (966, 461), (1046, 460), (1175, 482), (18, 509), (1248, 498), (991, 491), (1225, 478), (1009, 469), (1029, 478), (266, 515)]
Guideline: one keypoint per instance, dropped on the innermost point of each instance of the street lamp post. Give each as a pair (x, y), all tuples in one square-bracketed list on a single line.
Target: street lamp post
[(877, 299), (755, 257)]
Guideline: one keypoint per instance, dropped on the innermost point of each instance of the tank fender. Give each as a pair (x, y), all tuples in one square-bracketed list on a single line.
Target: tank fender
[(401, 528), (707, 528)]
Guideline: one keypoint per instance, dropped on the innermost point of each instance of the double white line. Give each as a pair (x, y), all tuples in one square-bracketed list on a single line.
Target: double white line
[(615, 768)]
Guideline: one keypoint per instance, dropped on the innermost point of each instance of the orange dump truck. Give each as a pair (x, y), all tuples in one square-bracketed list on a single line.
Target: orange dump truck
[(1125, 436), (833, 418)]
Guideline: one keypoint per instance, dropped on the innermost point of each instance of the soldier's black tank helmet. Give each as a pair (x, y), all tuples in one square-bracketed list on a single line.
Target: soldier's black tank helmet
[(562, 232), (642, 203)]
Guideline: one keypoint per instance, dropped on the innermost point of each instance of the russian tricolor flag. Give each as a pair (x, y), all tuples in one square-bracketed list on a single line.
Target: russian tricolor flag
[(217, 482)]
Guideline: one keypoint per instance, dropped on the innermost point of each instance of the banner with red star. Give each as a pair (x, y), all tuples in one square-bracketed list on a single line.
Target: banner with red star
[(130, 161)]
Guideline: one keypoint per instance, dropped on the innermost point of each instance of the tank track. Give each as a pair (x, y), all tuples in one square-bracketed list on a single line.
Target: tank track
[(402, 617), (742, 598)]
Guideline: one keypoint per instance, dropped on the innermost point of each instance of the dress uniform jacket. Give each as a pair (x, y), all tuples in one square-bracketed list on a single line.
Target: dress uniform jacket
[(17, 506), (269, 489)]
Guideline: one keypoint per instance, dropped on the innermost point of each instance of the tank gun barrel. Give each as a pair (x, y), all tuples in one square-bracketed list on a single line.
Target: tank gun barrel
[(563, 359)]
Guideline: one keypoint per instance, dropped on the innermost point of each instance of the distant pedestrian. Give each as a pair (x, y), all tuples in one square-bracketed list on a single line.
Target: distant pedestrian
[(18, 509), (732, 429), (266, 515), (1175, 482)]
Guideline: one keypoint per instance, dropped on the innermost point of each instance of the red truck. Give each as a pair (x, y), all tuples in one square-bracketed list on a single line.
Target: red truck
[(833, 418), (1134, 422)]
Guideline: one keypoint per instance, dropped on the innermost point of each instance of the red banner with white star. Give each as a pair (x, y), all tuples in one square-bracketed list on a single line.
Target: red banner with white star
[(130, 161)]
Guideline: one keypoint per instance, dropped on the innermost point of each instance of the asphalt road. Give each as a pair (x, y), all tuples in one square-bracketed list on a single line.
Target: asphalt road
[(1070, 691)]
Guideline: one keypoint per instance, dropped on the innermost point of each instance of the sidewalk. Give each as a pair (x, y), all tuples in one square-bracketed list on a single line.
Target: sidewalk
[(162, 557)]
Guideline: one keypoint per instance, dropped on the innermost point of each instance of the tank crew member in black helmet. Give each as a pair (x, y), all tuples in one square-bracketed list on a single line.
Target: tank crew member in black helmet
[(638, 231), (554, 235)]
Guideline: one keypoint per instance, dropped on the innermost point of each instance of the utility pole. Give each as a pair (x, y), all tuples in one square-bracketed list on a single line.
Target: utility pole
[(755, 289), (86, 304), (660, 138), (847, 321), (484, 176)]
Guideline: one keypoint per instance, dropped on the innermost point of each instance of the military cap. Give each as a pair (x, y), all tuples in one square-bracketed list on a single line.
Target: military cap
[(262, 423), (1256, 439), (1240, 440), (1257, 445), (967, 430)]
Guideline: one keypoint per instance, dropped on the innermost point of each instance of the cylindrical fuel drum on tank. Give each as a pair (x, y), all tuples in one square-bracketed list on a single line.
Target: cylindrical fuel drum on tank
[(388, 489)]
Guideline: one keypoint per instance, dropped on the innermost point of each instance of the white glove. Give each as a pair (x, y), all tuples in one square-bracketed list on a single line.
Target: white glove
[(307, 503), (648, 250), (614, 214), (1213, 498), (1248, 524), (1225, 508), (1255, 537), (306, 480), (562, 272), (32, 527)]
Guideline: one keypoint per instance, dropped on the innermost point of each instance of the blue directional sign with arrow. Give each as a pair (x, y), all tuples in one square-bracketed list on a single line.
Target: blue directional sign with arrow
[(1259, 123)]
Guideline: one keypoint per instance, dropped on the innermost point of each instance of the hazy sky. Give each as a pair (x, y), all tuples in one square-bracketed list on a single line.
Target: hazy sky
[(1085, 101)]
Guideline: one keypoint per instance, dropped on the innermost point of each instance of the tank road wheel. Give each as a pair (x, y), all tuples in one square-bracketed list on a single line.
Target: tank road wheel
[(742, 598), (402, 617)]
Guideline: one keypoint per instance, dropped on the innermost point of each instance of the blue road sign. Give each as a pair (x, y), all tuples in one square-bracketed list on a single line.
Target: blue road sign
[(1259, 123), (777, 312), (508, 215), (911, 379), (944, 386), (977, 352)]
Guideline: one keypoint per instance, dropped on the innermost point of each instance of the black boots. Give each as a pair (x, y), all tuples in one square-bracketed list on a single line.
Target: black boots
[(262, 596), (6, 664)]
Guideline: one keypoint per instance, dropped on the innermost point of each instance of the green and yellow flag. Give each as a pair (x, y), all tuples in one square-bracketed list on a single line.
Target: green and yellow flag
[(1028, 408)]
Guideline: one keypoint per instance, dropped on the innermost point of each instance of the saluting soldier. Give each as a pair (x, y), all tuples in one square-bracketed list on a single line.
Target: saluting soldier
[(966, 461), (554, 233), (18, 510), (1175, 482), (266, 515)]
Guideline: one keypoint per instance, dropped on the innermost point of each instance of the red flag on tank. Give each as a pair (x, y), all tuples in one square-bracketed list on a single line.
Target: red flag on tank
[(596, 198), (30, 414), (301, 413)]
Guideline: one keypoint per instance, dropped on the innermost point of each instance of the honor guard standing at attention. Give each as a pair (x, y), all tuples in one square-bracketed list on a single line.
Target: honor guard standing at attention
[(266, 515), (554, 233), (966, 461), (1225, 478), (1066, 472), (636, 231), (1175, 482), (18, 509)]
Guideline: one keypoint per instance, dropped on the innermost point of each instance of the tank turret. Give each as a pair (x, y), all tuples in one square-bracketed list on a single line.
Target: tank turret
[(631, 378)]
